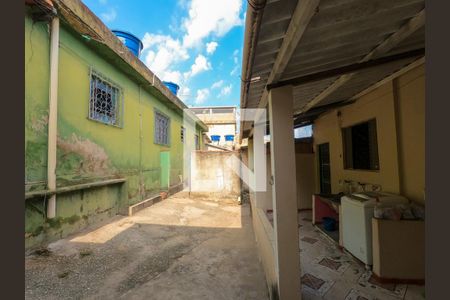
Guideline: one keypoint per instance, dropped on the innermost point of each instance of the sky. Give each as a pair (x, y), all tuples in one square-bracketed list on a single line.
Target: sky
[(196, 44)]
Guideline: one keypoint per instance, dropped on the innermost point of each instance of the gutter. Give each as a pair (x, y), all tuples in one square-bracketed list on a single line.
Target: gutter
[(255, 11), (53, 116)]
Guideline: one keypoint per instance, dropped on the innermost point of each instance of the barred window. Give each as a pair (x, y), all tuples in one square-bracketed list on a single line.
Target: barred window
[(105, 101), (183, 133), (162, 129), (361, 146)]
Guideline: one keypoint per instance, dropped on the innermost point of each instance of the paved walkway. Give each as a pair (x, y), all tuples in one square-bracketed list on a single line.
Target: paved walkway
[(176, 249)]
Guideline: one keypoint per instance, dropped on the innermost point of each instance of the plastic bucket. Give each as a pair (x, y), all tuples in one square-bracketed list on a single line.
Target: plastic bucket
[(329, 224)]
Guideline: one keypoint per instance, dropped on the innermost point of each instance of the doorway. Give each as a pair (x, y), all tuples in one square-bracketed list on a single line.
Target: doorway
[(324, 168), (165, 170)]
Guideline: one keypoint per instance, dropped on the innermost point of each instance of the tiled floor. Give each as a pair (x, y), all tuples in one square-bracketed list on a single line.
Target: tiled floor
[(329, 273)]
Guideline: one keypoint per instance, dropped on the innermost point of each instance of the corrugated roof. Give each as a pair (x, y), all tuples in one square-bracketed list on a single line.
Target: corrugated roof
[(340, 33)]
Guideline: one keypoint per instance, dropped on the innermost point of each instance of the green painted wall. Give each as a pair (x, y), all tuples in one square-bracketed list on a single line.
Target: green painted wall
[(74, 211), (90, 151), (36, 103)]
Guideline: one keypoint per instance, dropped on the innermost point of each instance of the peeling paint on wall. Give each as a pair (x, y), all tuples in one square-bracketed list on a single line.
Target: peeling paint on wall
[(89, 151), (91, 157), (39, 123)]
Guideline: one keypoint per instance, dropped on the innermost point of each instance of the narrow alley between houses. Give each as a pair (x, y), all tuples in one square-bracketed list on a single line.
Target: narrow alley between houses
[(179, 248), (226, 149)]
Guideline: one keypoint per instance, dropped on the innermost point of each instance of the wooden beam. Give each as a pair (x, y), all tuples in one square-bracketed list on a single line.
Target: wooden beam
[(304, 11), (393, 40), (347, 69), (312, 114), (301, 17)]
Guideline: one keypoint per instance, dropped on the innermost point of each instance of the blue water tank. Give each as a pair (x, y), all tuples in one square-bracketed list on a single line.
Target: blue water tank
[(173, 87), (229, 138), (215, 138), (131, 41)]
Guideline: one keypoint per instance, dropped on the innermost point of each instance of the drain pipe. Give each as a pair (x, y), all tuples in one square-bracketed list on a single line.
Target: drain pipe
[(53, 116), (254, 14)]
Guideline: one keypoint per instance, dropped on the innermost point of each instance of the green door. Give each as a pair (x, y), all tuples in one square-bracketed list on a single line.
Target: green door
[(165, 169)]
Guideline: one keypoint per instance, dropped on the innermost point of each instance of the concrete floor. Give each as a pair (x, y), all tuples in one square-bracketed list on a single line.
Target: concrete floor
[(176, 249), (330, 273)]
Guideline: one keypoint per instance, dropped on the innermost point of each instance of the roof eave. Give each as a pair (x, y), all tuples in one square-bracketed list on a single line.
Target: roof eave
[(86, 23), (252, 26)]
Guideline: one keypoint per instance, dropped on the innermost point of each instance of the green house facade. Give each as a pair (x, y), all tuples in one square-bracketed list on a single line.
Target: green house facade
[(121, 134)]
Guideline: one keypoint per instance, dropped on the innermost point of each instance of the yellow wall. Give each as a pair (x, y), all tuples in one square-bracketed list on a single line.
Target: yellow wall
[(401, 140), (410, 97), (305, 182)]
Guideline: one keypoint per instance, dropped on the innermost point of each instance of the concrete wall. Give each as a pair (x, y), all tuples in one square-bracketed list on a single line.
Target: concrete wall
[(264, 199), (305, 182), (304, 159), (264, 237), (89, 151), (74, 211), (410, 96), (37, 73), (244, 159), (398, 107), (213, 175), (264, 233)]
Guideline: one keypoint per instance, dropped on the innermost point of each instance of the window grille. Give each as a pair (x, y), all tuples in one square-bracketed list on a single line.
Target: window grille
[(105, 103), (162, 129), (183, 133)]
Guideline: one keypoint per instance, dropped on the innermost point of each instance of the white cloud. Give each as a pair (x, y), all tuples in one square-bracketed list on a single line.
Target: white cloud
[(184, 93), (235, 60), (173, 76), (211, 47), (202, 94), (217, 84), (235, 56), (103, 1), (235, 70), (226, 90), (210, 17), (109, 16), (201, 64), (161, 53)]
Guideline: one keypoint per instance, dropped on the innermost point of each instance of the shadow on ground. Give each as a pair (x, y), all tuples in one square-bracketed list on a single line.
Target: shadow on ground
[(177, 249)]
